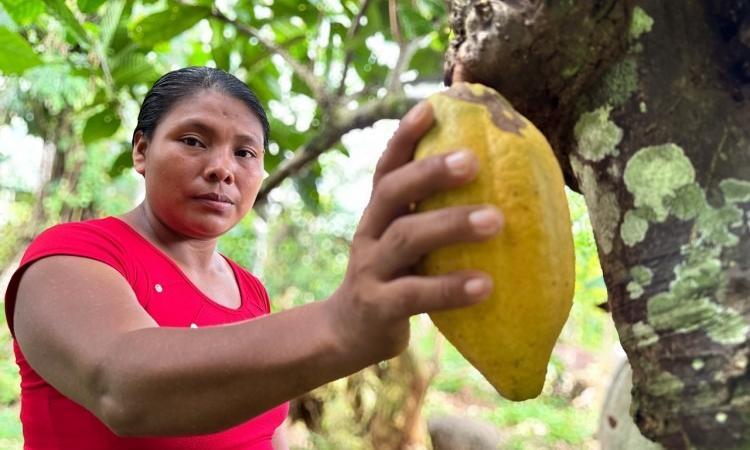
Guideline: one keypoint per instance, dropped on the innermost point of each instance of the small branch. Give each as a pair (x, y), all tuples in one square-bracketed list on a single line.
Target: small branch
[(303, 71), (393, 17), (251, 65), (102, 57), (389, 107), (350, 53), (405, 54)]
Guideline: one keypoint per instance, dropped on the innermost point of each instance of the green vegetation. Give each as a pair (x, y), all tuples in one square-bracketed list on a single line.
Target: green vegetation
[(73, 73)]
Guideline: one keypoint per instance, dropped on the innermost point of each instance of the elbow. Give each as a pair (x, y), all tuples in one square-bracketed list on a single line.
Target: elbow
[(113, 402), (119, 417)]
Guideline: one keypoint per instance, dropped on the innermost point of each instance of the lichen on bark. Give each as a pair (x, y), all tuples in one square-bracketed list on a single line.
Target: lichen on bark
[(596, 135), (654, 174), (641, 277), (602, 204), (675, 77)]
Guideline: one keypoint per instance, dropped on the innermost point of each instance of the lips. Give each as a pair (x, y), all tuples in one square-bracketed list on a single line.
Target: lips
[(216, 197)]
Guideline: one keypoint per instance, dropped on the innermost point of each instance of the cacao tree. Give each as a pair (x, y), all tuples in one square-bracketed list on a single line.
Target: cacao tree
[(75, 70), (647, 104)]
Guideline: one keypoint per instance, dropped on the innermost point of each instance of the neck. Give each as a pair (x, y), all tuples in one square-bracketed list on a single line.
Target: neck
[(191, 254)]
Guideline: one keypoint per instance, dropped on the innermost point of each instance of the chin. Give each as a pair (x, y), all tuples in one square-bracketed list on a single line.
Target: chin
[(207, 227)]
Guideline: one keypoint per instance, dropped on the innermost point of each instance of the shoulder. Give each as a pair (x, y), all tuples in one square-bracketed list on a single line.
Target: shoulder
[(103, 239)]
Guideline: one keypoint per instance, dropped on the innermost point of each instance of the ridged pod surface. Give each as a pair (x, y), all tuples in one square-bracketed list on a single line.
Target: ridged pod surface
[(509, 337)]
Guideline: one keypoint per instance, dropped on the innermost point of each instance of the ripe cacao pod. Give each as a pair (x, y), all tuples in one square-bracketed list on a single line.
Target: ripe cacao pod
[(510, 336)]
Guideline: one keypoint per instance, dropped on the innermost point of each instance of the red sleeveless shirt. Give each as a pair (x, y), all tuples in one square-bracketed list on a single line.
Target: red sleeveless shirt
[(50, 420)]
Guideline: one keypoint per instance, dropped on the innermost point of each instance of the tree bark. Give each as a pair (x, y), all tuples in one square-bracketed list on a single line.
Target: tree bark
[(646, 104)]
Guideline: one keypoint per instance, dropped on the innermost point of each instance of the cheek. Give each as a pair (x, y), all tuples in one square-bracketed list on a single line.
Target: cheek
[(254, 174)]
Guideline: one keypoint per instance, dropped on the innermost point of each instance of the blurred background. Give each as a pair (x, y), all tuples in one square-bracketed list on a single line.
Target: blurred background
[(334, 76)]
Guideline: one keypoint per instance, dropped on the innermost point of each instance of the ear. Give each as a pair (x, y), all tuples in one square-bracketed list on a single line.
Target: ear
[(140, 144)]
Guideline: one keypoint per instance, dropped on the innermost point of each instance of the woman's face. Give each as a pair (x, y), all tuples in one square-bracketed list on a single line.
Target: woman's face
[(204, 164)]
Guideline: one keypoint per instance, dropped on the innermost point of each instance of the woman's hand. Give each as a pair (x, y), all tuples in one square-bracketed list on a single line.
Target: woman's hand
[(380, 292)]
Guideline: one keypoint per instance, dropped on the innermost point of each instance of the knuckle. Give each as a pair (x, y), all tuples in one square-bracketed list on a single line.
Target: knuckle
[(408, 296), (432, 166), (381, 165), (436, 164), (399, 234), (385, 189), (362, 267), (447, 292)]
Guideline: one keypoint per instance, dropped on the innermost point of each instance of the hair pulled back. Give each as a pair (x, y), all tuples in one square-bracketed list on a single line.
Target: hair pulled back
[(183, 83)]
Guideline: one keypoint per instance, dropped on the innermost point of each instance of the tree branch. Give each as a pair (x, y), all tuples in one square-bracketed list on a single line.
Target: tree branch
[(389, 107), (405, 54), (303, 71), (393, 18), (350, 53)]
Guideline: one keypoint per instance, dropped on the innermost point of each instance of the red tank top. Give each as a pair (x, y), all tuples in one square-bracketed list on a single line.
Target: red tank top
[(50, 420)]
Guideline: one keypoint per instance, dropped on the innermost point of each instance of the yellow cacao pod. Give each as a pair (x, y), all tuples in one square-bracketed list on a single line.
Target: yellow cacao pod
[(509, 337)]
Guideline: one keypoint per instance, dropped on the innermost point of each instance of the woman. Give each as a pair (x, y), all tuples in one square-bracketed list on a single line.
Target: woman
[(133, 332)]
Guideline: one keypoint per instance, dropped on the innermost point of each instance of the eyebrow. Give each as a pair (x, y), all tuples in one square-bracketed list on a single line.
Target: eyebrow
[(205, 128)]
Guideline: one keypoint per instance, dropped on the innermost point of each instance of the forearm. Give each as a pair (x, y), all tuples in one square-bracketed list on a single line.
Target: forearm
[(168, 381)]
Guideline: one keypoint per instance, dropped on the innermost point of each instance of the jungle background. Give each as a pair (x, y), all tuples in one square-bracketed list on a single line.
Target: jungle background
[(335, 76)]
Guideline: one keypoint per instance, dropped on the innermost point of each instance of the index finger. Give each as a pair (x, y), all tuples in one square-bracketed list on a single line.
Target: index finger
[(400, 148)]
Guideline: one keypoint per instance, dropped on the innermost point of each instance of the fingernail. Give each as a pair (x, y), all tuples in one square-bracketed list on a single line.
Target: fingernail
[(458, 163), (478, 287), (486, 220)]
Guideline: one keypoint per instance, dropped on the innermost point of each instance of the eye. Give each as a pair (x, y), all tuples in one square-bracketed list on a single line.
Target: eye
[(245, 153), (192, 141)]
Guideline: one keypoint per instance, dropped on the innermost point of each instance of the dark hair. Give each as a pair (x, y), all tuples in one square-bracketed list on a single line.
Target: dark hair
[(182, 83)]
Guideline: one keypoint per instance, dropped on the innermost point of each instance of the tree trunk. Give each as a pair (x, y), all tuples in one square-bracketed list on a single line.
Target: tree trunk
[(646, 104), (397, 422)]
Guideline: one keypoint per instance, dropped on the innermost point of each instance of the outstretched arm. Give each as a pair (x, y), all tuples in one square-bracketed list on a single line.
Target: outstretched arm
[(93, 342)]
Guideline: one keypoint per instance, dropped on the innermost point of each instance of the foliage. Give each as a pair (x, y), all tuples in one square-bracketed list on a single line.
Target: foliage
[(94, 60), (76, 71)]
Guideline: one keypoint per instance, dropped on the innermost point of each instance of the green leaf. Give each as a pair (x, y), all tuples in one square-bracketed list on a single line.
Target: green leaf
[(265, 82), (427, 62), (300, 86), (17, 55), (307, 186), (377, 20), (288, 8), (167, 24), (130, 67), (287, 137), (60, 10), (198, 56), (123, 161), (284, 29), (101, 125), (89, 6), (252, 54), (23, 12), (271, 161), (110, 21), (413, 24), (339, 147), (219, 46), (271, 79)]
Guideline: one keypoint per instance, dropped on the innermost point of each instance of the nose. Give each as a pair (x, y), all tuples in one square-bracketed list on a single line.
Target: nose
[(219, 166)]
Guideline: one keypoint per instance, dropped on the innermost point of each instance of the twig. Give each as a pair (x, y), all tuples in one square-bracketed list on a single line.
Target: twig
[(393, 17), (304, 72), (405, 54), (350, 52), (388, 107)]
